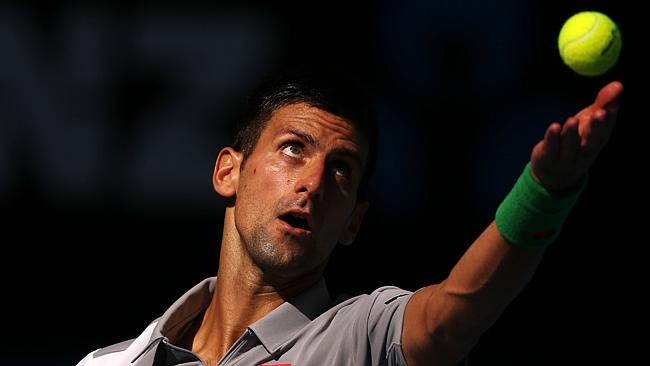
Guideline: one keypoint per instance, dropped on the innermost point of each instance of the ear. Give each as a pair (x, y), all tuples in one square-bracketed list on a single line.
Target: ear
[(354, 224), (226, 172)]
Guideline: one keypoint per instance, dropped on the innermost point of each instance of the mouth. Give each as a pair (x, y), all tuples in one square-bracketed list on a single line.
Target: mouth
[(297, 222)]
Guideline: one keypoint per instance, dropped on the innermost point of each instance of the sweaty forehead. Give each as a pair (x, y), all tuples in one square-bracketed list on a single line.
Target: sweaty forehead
[(323, 126)]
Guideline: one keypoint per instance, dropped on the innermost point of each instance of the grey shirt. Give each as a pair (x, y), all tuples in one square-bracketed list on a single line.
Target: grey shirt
[(307, 330)]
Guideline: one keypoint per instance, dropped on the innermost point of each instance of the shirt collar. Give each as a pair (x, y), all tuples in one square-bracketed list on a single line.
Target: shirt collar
[(272, 330), (184, 311), (290, 317)]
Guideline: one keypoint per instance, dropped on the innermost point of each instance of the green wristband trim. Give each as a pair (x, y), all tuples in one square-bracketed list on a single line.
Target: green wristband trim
[(531, 215)]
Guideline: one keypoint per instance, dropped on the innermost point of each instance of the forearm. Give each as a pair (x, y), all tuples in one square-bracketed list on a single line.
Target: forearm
[(487, 277), (457, 311)]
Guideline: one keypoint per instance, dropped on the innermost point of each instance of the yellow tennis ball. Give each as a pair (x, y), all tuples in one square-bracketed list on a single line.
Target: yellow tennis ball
[(589, 43)]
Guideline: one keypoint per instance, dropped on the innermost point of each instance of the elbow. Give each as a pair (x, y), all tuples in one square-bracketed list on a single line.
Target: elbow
[(456, 345), (454, 324)]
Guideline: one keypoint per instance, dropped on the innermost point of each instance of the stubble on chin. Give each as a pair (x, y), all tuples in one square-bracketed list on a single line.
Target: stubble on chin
[(265, 251), (266, 248)]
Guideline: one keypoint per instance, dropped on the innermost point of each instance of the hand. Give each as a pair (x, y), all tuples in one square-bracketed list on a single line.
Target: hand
[(567, 151)]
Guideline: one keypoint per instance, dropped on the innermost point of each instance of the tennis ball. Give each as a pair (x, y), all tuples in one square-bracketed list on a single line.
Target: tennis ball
[(589, 43)]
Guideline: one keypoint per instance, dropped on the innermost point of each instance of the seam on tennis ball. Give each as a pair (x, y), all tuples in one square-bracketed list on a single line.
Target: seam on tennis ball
[(593, 26)]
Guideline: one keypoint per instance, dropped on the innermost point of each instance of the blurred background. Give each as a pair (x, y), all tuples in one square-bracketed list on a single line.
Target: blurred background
[(111, 117)]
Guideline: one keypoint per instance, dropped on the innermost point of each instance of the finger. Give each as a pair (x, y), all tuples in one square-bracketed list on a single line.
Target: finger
[(612, 107), (608, 94), (569, 139), (607, 119), (595, 132), (612, 113), (599, 115), (607, 98), (551, 146), (589, 122), (610, 120)]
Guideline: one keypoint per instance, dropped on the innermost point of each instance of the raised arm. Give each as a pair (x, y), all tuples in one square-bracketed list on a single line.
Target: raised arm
[(442, 322)]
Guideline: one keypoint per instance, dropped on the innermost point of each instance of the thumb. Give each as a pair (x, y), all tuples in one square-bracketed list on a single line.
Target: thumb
[(609, 94)]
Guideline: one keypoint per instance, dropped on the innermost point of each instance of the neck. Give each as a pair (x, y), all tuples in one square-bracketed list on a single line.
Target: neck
[(244, 294)]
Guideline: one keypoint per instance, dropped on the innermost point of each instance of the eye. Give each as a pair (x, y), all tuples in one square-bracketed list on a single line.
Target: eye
[(293, 150), (342, 169)]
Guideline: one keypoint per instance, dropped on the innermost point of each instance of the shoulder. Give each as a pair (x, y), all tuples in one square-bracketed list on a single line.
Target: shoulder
[(376, 317), (384, 302), (120, 353), (379, 297), (387, 305), (388, 294), (106, 354)]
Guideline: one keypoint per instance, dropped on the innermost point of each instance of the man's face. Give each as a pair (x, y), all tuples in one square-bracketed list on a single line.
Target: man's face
[(297, 190)]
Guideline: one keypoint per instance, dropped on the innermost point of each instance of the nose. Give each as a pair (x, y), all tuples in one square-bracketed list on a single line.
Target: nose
[(311, 179)]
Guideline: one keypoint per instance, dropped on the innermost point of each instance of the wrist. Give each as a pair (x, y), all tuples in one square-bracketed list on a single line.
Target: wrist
[(532, 215), (556, 185)]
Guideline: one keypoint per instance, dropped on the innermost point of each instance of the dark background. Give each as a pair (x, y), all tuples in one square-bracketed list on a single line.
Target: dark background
[(112, 116)]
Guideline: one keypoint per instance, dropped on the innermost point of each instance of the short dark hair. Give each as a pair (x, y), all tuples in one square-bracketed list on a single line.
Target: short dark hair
[(333, 91)]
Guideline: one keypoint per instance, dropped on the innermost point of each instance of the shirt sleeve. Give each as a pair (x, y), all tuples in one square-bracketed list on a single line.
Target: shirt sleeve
[(86, 360), (385, 320)]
